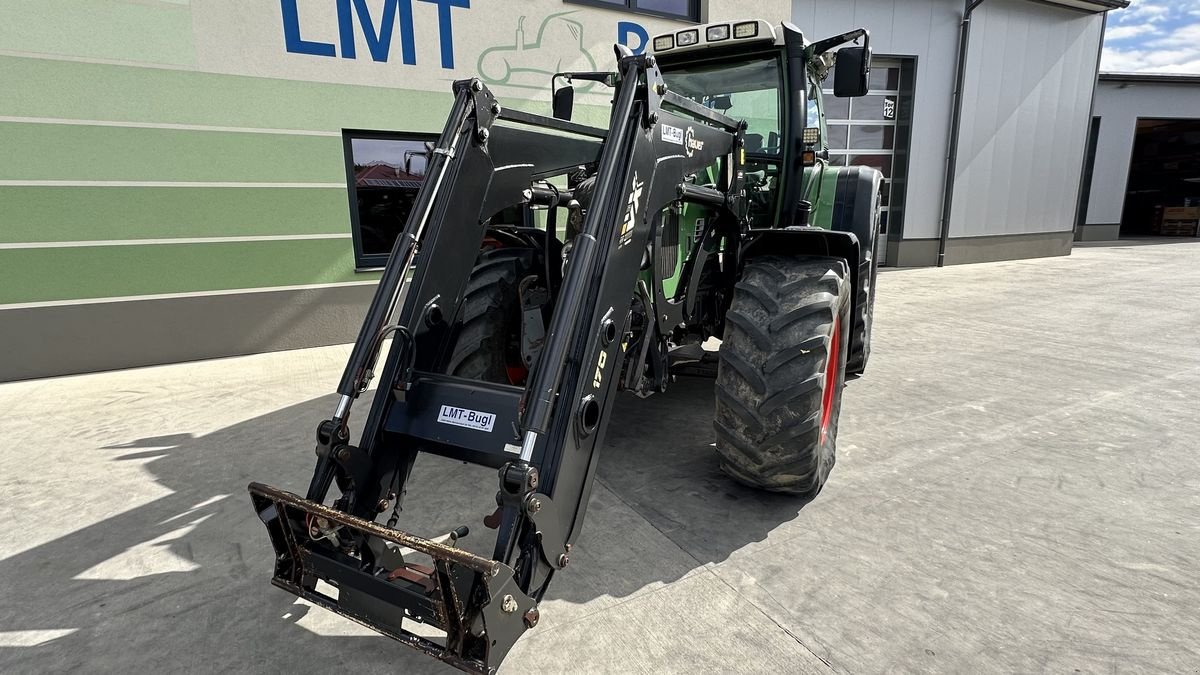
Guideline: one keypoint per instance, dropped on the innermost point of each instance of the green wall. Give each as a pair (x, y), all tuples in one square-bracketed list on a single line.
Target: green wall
[(267, 160), (91, 156)]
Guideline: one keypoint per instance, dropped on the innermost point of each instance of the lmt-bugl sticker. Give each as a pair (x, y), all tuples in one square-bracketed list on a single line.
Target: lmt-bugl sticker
[(469, 419)]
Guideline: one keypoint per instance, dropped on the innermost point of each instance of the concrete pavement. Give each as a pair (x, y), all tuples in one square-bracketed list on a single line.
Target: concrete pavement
[(1017, 490)]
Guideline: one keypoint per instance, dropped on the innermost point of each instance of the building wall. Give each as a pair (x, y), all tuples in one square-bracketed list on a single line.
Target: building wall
[(1119, 105), (173, 183), (1030, 76), (926, 30)]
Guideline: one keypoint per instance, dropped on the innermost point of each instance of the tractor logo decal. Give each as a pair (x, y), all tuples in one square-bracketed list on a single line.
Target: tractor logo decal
[(527, 64), (672, 134), (635, 198), (690, 142)]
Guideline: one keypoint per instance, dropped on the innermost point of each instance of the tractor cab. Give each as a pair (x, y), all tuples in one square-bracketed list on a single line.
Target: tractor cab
[(770, 78)]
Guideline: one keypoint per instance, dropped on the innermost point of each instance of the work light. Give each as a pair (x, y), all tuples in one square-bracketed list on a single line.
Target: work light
[(664, 42), (717, 33), (746, 29), (687, 38)]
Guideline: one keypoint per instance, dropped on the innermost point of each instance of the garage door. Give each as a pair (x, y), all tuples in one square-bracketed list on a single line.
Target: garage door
[(864, 131)]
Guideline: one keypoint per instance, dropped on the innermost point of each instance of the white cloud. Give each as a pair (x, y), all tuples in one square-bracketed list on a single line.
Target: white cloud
[(1139, 12), (1183, 37), (1126, 32), (1154, 36)]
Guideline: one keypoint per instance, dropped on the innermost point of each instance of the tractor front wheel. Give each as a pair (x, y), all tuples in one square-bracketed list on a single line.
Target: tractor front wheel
[(781, 373), (487, 345)]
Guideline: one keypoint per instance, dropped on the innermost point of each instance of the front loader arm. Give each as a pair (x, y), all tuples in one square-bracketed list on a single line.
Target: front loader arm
[(543, 439)]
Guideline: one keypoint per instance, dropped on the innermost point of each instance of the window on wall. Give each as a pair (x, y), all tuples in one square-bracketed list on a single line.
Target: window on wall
[(688, 10), (384, 172)]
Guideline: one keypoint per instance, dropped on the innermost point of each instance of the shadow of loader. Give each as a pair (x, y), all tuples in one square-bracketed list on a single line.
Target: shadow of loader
[(206, 604)]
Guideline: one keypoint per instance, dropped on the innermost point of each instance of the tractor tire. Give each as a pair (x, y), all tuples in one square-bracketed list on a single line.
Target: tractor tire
[(486, 347), (781, 373), (864, 314), (857, 209)]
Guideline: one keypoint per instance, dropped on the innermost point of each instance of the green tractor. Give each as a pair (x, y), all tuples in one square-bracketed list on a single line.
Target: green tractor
[(547, 265), (785, 318)]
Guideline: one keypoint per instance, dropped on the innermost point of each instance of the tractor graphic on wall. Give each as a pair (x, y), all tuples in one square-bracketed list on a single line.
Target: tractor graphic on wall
[(530, 65)]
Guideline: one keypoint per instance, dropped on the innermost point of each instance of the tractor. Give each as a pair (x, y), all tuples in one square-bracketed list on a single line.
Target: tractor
[(547, 265)]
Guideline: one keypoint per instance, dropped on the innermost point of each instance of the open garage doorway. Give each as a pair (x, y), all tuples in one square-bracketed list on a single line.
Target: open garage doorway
[(1163, 197)]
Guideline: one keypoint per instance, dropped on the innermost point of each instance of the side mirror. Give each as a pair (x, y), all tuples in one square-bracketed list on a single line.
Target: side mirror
[(852, 71), (564, 102)]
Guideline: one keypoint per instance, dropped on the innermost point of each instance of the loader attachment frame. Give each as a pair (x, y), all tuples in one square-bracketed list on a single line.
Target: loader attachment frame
[(543, 438)]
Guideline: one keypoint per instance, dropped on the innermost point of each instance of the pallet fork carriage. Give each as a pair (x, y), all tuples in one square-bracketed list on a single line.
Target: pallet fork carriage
[(543, 432)]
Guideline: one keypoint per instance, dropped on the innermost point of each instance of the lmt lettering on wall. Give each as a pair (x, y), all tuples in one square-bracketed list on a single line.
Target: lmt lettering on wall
[(356, 16)]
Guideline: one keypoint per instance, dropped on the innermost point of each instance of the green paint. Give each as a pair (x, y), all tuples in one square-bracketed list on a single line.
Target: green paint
[(89, 91), (155, 32), (39, 275), (103, 213), (72, 152), (822, 193)]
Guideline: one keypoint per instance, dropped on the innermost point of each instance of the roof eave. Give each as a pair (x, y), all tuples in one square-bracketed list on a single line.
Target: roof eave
[(1156, 78), (1089, 5)]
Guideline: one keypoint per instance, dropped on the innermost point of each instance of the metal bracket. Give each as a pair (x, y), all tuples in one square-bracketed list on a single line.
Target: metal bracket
[(487, 109), (655, 88), (354, 464), (533, 327), (547, 520)]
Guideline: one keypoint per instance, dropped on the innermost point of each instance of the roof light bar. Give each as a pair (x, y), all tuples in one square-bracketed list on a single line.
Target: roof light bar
[(716, 34)]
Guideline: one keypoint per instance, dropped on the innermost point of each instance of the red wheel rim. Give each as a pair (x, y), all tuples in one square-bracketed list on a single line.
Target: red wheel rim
[(831, 376), (517, 374)]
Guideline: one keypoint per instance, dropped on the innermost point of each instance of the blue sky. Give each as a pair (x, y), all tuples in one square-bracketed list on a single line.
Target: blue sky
[(1160, 36)]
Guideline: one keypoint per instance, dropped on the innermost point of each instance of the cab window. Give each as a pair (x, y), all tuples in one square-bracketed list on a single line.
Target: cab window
[(747, 89), (816, 110)]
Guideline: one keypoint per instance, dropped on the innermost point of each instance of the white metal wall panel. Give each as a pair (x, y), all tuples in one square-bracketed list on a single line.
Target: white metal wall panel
[(927, 30), (1119, 105), (1029, 81)]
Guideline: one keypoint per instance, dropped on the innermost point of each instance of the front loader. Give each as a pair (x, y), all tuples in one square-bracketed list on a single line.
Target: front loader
[(706, 209)]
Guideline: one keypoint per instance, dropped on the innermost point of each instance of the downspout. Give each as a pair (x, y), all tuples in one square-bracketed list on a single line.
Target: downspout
[(964, 42), (1084, 200)]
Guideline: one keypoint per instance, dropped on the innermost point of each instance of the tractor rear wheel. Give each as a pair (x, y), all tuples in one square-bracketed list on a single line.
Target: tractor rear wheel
[(487, 346), (860, 340), (857, 208), (781, 373)]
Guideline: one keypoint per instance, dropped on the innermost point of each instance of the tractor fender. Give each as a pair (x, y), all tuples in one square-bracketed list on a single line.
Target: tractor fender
[(854, 206), (807, 241), (797, 241)]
